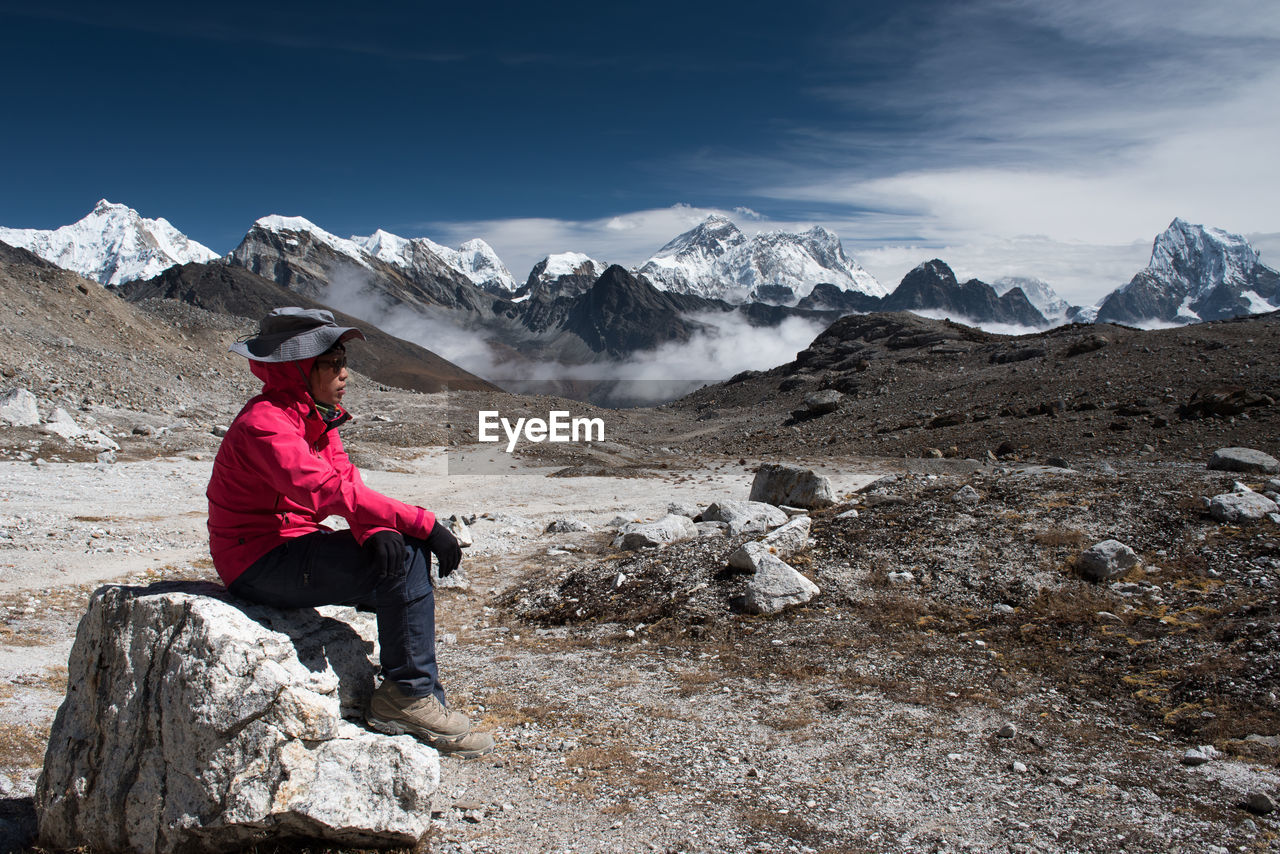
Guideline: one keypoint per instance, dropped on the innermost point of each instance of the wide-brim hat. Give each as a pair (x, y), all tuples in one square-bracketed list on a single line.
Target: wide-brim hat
[(292, 333)]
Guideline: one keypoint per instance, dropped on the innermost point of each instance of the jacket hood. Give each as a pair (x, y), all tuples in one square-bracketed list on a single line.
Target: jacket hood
[(284, 377)]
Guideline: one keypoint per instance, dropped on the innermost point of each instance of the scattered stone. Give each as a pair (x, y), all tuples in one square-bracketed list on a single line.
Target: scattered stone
[(1259, 803), (184, 679), (1002, 608), (619, 521), (220, 430), (1087, 345), (793, 511), (1241, 506), (745, 517), (931, 453), (1108, 617), (668, 529), (966, 495), (682, 508), (712, 529), (1237, 486), (1007, 731), (1244, 460), (18, 408), (777, 483), (1057, 462), (1199, 755), (568, 526), (1272, 485), (61, 423), (901, 578), (822, 402), (461, 532), (1105, 560), (1018, 768), (775, 586), (849, 514)]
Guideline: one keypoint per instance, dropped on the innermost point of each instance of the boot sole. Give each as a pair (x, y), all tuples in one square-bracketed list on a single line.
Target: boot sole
[(444, 744), (398, 728)]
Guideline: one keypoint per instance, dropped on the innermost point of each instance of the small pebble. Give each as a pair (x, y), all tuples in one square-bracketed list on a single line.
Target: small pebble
[(1007, 731)]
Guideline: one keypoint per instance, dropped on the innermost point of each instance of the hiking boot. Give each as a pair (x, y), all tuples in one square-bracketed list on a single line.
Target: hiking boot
[(469, 746), (395, 713)]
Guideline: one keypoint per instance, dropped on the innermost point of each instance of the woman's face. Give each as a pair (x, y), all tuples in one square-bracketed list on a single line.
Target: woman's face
[(328, 379)]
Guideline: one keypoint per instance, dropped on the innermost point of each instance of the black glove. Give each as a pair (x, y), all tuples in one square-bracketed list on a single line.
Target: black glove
[(385, 550), (445, 547)]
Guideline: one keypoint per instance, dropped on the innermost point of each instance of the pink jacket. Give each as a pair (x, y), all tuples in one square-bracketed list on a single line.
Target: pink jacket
[(281, 470)]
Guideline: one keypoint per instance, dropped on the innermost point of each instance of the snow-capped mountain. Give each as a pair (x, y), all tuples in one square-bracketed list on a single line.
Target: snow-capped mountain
[(1196, 273), (716, 260), (564, 274), (1038, 292), (474, 259), (112, 245)]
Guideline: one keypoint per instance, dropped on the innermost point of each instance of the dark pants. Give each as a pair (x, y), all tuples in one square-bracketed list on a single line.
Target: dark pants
[(332, 569)]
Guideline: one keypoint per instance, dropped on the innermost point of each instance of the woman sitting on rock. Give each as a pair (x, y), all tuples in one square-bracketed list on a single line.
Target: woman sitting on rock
[(280, 471)]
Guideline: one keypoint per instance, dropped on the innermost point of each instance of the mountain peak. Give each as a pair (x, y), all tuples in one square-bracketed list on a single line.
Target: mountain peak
[(112, 244)]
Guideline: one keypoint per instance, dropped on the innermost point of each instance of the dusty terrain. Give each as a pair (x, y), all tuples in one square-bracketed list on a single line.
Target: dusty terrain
[(646, 715)]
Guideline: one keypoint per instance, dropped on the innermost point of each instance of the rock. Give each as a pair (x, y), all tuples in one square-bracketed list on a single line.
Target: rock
[(461, 532), (786, 484), (848, 514), (932, 453), (618, 522), (567, 526), (901, 579), (195, 722), (682, 508), (1199, 755), (1241, 506), (1007, 731), (822, 402), (744, 517), (1106, 560), (1237, 486), (791, 537), (775, 586), (668, 529), (18, 408), (712, 529), (966, 495), (1259, 803), (219, 430), (747, 557), (1018, 768), (782, 542), (61, 423), (1272, 485), (1244, 460), (793, 511)]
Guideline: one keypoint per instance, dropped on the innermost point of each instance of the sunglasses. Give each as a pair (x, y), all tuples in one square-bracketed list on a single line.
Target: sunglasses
[(332, 363)]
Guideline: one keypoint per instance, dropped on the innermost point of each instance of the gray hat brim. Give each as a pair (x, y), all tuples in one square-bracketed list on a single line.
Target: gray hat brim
[(292, 346)]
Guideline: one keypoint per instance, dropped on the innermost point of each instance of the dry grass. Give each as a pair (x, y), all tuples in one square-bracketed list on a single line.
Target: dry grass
[(22, 745), (1060, 538)]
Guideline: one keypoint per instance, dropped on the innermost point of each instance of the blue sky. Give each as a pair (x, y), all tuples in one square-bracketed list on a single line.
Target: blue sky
[(1005, 136)]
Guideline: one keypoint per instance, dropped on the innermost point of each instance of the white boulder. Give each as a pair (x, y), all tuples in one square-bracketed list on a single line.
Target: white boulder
[(669, 529), (18, 408), (778, 483), (744, 517), (783, 542), (197, 723), (775, 586), (1241, 506), (1244, 460)]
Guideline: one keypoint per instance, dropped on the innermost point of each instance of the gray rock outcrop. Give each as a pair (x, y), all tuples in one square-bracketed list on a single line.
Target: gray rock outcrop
[(1244, 460), (744, 517), (197, 723), (822, 402), (1241, 506), (668, 529), (1105, 560), (779, 483)]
